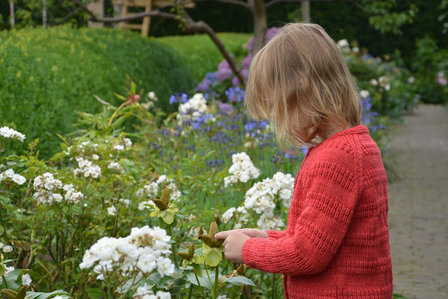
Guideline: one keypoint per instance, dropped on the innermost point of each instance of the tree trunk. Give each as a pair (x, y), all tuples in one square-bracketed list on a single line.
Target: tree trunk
[(260, 24)]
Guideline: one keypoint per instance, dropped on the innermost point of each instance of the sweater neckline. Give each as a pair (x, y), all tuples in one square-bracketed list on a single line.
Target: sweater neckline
[(359, 129)]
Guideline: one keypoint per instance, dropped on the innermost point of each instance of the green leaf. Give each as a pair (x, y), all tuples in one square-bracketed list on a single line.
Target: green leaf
[(239, 281), (40, 295), (13, 277), (203, 281), (197, 259), (95, 293), (167, 216), (212, 256)]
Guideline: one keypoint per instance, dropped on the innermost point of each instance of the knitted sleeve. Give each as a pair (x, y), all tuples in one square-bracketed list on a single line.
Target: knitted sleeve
[(331, 193), (274, 234)]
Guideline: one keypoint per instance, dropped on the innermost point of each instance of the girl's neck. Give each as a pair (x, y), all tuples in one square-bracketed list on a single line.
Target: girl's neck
[(328, 130)]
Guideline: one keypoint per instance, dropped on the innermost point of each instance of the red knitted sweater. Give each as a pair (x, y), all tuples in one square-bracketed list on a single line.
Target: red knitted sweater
[(336, 244)]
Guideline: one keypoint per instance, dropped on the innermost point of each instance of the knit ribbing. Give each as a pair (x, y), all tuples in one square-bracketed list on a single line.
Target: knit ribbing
[(336, 244)]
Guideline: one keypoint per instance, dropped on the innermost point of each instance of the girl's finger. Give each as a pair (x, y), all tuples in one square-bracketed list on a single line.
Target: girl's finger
[(221, 235)]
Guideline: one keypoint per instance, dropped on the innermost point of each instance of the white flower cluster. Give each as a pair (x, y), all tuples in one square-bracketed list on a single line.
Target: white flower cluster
[(87, 168), (115, 166), (364, 94), (193, 108), (261, 199), (343, 43), (123, 145), (111, 210), (145, 292), (142, 252), (239, 213), (84, 146), (11, 133), (26, 280), (242, 170), (15, 177), (382, 81), (345, 46), (6, 248), (152, 191), (45, 186), (270, 222), (71, 195)]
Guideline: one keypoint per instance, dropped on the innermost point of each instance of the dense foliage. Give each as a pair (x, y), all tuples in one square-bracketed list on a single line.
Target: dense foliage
[(48, 74)]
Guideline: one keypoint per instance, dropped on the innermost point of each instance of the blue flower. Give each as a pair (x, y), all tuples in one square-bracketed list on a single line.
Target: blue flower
[(235, 94), (304, 150)]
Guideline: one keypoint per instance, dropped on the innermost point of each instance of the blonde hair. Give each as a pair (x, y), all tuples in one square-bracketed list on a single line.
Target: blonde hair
[(301, 73)]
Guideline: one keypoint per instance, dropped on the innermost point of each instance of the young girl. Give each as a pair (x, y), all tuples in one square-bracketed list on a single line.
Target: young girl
[(336, 243)]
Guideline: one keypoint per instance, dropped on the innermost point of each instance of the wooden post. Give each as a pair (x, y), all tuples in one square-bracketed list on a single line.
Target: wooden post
[(12, 14), (97, 7), (44, 14), (124, 13), (146, 20), (305, 5)]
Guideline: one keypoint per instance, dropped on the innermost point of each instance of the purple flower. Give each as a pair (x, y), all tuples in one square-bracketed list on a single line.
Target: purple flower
[(235, 94), (245, 73), (271, 32), (210, 76), (250, 44), (204, 85), (178, 98), (246, 61), (442, 81), (223, 74), (304, 150), (411, 80), (224, 65), (173, 99), (184, 98), (250, 126), (226, 109)]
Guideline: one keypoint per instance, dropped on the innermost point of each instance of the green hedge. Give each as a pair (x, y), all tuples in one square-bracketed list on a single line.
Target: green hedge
[(48, 74), (201, 53)]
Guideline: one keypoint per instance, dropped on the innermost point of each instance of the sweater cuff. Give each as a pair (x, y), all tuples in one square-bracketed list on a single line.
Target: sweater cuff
[(247, 254)]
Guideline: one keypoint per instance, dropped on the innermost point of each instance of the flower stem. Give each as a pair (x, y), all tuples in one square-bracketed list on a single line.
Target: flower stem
[(170, 232), (215, 285), (199, 284)]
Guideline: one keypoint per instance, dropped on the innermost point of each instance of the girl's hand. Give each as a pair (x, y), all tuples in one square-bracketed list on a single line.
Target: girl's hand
[(253, 232), (233, 244)]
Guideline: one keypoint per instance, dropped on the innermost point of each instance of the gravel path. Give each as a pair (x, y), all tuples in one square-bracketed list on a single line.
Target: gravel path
[(418, 200)]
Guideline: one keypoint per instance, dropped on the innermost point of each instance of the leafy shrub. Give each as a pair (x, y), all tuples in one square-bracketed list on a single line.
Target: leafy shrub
[(431, 68), (48, 74)]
